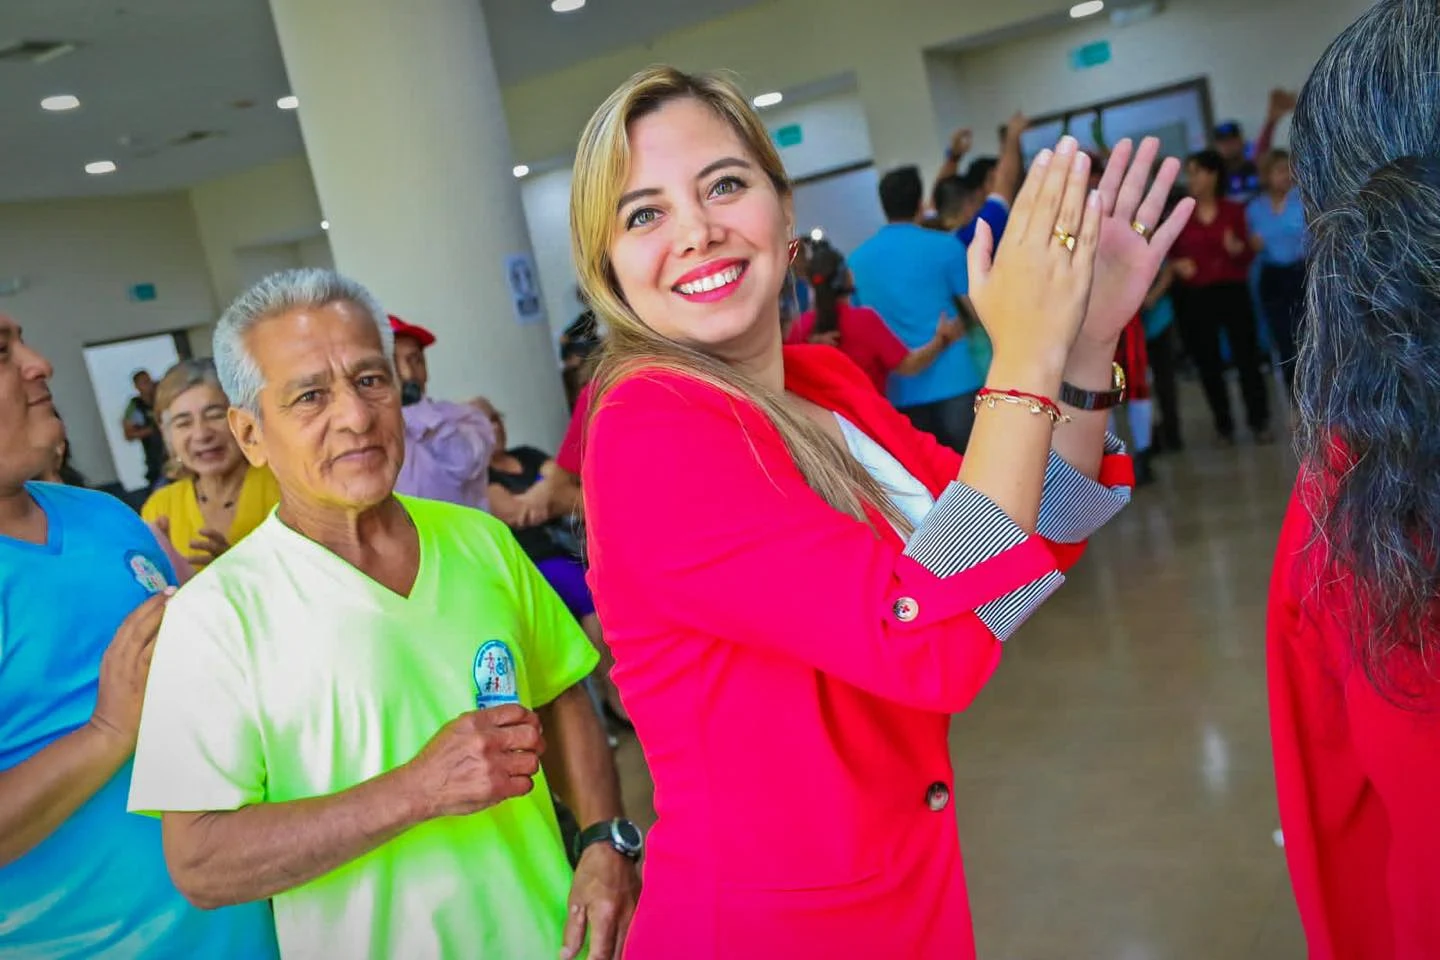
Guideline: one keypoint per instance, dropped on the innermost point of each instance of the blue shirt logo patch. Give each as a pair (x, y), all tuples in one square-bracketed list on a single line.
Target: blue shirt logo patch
[(495, 675), (145, 572)]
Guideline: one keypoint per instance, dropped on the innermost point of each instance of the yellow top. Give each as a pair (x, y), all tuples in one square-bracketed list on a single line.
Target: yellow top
[(177, 503)]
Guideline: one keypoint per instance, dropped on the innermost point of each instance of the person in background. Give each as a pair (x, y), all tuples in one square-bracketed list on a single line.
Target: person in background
[(1277, 234), (140, 424), (579, 343), (447, 445), (217, 497), (524, 483), (1134, 361), (859, 332), (368, 791), (912, 276), (85, 587), (1211, 260), (765, 592), (1157, 315), (1354, 617), (988, 188)]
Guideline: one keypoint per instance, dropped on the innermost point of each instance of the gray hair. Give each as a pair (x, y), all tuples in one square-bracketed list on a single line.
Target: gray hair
[(188, 373), (307, 287), (1366, 138)]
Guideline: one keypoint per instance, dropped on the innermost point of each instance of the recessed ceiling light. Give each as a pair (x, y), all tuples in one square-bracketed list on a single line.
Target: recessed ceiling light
[(100, 166), (1087, 9), (324, 224), (566, 6), (521, 170), (817, 234), (768, 99), (59, 103), (288, 103)]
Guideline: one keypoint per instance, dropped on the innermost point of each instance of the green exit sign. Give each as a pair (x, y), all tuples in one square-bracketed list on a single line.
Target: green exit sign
[(789, 136), (1090, 55)]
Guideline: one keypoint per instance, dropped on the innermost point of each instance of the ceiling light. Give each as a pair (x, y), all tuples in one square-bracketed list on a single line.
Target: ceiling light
[(817, 234), (100, 166), (768, 99), (288, 103), (1087, 9), (521, 170), (59, 103), (566, 6), (324, 224)]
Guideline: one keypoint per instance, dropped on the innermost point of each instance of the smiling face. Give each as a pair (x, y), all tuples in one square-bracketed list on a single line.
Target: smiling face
[(701, 236), (330, 426), (199, 436), (30, 432)]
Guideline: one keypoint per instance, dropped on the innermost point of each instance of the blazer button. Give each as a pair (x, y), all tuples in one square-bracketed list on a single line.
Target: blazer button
[(906, 609), (937, 798)]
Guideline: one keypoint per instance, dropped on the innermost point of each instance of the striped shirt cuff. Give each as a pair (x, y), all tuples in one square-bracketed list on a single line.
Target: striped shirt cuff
[(965, 529), (1073, 506)]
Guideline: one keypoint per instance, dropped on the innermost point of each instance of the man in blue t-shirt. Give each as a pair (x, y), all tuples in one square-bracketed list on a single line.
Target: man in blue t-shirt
[(914, 277), (83, 585)]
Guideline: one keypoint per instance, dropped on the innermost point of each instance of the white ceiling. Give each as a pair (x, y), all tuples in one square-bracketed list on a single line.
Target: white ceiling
[(149, 72)]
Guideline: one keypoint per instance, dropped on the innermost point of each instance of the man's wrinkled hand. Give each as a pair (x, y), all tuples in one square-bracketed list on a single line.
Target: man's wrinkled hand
[(602, 903)]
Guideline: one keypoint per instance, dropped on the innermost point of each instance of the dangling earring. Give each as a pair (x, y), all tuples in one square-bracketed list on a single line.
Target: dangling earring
[(794, 248)]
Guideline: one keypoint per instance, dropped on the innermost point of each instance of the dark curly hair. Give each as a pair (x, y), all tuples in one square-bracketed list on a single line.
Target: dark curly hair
[(1366, 139)]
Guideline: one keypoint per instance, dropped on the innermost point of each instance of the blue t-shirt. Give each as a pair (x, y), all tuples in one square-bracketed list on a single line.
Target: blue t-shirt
[(995, 212), (1283, 233), (910, 276), (98, 885)]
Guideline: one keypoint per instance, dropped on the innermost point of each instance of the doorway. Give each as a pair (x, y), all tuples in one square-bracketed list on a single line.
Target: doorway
[(112, 367)]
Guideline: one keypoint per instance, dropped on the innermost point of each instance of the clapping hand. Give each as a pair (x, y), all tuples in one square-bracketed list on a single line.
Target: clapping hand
[(208, 546), (960, 143), (1031, 293), (1129, 257)]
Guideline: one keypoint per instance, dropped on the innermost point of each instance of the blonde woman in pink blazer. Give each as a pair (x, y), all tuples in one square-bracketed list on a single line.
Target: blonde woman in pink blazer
[(813, 587)]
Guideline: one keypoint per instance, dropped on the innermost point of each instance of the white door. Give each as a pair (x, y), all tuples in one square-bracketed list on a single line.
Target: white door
[(112, 370)]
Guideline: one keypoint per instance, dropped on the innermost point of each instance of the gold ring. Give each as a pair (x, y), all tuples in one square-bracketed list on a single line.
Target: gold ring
[(1140, 228), (1066, 238)]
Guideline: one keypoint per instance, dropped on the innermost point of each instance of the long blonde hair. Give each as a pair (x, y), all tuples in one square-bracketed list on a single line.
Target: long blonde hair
[(602, 166)]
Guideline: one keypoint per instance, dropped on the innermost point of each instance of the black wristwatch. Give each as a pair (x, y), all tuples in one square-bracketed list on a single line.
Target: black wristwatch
[(1096, 399), (620, 833)]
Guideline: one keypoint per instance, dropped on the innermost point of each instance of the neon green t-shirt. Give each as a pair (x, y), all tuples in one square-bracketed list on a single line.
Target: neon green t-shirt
[(282, 672)]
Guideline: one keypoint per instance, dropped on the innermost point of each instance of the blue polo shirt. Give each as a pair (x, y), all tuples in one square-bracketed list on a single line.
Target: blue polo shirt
[(910, 276), (995, 212), (1283, 233), (98, 885)]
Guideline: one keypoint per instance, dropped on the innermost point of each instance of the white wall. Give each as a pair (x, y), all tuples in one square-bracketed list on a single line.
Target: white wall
[(834, 133), (80, 258), (1245, 48), (546, 198), (272, 204)]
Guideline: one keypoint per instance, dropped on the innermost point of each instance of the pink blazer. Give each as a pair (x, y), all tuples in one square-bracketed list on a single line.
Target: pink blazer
[(790, 672)]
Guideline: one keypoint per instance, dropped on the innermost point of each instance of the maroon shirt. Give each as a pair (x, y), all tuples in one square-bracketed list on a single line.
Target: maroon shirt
[(1204, 243)]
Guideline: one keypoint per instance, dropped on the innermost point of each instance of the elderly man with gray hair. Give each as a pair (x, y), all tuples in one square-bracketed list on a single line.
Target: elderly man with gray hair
[(344, 713)]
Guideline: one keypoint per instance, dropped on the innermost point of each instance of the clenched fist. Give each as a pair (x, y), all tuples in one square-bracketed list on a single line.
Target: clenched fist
[(477, 760)]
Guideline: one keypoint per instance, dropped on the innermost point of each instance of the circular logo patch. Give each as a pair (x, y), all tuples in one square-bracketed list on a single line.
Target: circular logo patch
[(495, 675)]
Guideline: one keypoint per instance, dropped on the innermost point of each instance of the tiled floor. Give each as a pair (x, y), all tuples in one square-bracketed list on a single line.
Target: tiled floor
[(1114, 786)]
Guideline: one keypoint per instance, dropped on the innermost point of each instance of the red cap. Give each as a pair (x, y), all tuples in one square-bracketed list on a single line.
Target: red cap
[(403, 329)]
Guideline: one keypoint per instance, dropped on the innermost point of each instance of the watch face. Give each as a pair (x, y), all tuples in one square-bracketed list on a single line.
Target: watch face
[(627, 836)]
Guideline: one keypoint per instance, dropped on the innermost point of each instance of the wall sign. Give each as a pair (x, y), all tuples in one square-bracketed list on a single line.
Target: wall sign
[(1090, 55), (524, 285), (789, 135), (143, 292)]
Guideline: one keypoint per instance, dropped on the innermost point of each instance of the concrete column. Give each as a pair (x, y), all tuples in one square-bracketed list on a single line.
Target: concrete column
[(403, 123)]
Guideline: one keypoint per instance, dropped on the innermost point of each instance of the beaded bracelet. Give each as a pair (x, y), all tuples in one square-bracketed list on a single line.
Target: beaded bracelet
[(1031, 401)]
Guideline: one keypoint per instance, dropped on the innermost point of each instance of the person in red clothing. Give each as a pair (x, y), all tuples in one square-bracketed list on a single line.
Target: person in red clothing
[(860, 332), (1212, 262), (1354, 621), (816, 586)]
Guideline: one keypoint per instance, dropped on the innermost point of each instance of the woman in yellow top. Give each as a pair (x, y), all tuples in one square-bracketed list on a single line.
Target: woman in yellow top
[(217, 496)]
